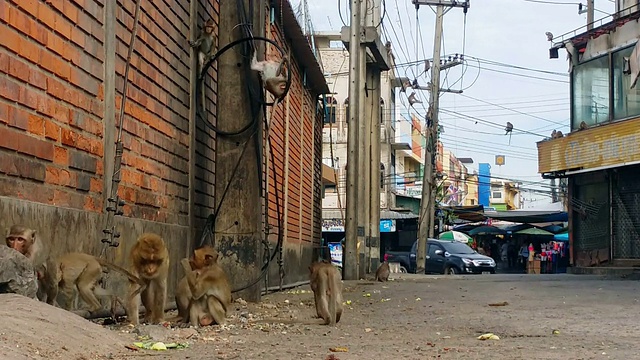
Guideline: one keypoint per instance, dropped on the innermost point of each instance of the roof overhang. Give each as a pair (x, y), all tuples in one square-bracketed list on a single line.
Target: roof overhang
[(301, 48)]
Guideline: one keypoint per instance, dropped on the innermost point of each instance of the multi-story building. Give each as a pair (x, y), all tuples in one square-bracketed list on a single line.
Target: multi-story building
[(600, 156), (335, 59), (505, 195)]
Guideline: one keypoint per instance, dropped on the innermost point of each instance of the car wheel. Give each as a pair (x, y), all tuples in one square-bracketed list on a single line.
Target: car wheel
[(403, 270), (450, 270)]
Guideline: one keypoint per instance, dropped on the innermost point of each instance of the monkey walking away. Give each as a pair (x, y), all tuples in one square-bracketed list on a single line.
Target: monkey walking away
[(202, 257), (79, 272), (150, 263), (205, 43), (382, 274), (326, 284)]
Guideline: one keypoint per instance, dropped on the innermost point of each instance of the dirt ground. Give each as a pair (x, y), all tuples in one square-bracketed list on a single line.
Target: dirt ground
[(413, 317)]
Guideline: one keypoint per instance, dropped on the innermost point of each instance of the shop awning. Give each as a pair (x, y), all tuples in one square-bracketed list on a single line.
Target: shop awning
[(469, 213), (525, 216), (384, 214)]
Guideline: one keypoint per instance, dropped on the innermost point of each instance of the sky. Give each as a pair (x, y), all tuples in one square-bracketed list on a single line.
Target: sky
[(503, 41)]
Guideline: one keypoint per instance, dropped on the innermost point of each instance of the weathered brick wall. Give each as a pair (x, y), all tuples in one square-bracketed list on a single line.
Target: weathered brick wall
[(56, 134), (51, 104), (297, 145)]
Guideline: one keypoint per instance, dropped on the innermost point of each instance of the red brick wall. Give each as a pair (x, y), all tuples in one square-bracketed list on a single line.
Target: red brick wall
[(51, 102), (52, 107), (294, 161)]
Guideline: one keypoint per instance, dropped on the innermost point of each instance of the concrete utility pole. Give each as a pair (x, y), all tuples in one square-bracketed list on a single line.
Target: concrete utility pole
[(427, 202), (363, 209), (364, 142), (349, 267), (590, 14)]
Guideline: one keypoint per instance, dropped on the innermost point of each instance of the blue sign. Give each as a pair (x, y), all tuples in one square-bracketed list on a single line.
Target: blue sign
[(387, 225)]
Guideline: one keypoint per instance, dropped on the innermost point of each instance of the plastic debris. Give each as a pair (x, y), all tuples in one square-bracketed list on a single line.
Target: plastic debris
[(555, 332), (488, 336), (160, 345), (339, 349)]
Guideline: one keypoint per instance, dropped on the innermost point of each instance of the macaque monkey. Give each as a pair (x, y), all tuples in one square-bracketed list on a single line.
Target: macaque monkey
[(210, 294), (205, 43), (382, 274), (202, 258), (583, 126), (23, 240), (80, 272), (150, 263), (273, 74), (326, 284)]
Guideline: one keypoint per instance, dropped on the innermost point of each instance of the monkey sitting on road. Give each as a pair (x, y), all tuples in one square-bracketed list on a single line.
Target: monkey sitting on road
[(326, 284), (150, 263), (210, 294), (202, 258), (382, 274)]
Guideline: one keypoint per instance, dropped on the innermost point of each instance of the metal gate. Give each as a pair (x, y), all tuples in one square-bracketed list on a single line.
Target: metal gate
[(590, 205), (626, 213)]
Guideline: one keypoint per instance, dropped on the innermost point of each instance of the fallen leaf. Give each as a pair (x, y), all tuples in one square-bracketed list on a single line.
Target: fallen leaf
[(339, 349), (131, 347)]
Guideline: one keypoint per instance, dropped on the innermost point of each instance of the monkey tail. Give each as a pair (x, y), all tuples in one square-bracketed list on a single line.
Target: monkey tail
[(333, 297), (121, 270)]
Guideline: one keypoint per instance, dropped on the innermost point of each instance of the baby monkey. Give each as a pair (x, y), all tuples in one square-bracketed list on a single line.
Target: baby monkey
[(202, 258), (205, 43)]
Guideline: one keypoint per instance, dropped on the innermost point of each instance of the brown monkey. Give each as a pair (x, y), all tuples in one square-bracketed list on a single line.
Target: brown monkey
[(273, 74), (150, 263), (80, 272), (205, 43), (210, 294), (326, 282), (583, 126), (23, 240), (202, 258), (382, 274)]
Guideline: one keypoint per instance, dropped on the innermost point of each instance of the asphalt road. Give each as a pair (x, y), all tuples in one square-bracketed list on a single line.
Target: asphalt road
[(423, 317)]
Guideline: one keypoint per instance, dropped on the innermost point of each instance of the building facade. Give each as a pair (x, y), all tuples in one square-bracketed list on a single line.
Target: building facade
[(600, 156), (62, 66)]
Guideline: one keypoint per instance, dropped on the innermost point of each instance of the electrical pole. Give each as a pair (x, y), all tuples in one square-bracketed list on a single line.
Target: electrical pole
[(349, 263), (590, 14), (427, 201)]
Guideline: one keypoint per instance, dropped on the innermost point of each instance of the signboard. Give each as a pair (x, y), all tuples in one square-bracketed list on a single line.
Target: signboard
[(387, 225), (332, 225), (500, 160), (603, 146), (337, 225), (335, 249)]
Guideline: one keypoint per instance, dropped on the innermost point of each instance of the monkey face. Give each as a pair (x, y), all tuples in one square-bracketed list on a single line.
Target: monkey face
[(150, 268), (17, 243), (21, 242), (208, 29)]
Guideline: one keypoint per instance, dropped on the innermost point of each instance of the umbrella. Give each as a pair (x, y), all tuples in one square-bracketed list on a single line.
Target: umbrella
[(534, 231), (455, 236), (487, 230), (561, 237)]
